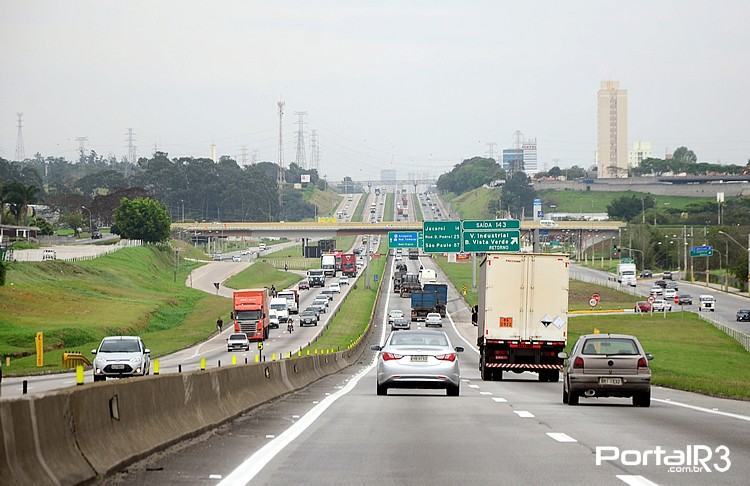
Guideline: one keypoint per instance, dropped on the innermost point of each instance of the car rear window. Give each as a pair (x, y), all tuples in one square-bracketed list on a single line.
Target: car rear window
[(418, 339), (237, 337), (607, 346)]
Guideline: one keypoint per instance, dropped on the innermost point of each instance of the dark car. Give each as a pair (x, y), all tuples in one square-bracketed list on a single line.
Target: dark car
[(671, 285), (743, 315), (660, 283), (685, 299), (666, 275), (308, 318), (646, 274)]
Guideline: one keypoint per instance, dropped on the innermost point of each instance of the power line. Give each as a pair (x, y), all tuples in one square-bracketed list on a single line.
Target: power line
[(20, 152), (300, 159)]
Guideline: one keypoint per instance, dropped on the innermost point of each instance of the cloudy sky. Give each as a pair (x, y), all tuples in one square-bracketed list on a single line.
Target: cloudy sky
[(412, 85)]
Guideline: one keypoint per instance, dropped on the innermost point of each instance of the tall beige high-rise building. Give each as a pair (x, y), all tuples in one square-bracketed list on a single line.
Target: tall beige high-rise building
[(612, 130)]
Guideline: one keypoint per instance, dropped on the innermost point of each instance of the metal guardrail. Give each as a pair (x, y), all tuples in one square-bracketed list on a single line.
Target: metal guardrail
[(610, 284)]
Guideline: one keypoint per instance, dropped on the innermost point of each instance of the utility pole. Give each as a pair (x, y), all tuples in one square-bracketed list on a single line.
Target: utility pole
[(280, 174), (684, 249), (300, 159), (491, 149), (20, 152)]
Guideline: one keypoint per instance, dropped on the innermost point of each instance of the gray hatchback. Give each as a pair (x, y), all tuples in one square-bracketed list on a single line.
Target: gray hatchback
[(607, 365)]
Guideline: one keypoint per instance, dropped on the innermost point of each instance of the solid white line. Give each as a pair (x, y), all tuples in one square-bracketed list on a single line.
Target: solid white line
[(523, 413), (254, 464), (485, 393), (473, 386), (635, 480), (499, 400), (701, 409), (214, 476), (560, 437)]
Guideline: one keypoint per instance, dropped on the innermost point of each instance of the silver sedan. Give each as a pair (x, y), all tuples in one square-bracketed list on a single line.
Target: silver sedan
[(418, 359)]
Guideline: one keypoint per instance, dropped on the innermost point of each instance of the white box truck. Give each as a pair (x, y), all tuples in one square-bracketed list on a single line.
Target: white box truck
[(328, 264), (522, 315), (626, 274)]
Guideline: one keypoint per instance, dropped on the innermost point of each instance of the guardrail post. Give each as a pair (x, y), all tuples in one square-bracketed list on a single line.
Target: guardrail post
[(179, 368), (25, 387)]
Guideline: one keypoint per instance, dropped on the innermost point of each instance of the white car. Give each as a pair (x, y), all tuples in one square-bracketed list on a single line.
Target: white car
[(433, 319), (660, 305), (335, 288), (262, 246), (236, 258), (321, 300), (238, 341), (273, 319), (344, 280), (669, 293), (398, 257), (394, 314), (121, 356), (656, 292)]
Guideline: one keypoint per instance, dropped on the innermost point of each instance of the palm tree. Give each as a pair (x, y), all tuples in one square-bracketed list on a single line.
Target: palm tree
[(20, 197), (3, 200)]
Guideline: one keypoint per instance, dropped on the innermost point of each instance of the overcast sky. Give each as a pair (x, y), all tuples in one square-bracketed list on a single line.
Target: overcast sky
[(424, 84)]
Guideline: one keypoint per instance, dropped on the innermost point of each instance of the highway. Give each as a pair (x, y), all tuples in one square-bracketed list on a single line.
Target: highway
[(337, 431), (213, 349)]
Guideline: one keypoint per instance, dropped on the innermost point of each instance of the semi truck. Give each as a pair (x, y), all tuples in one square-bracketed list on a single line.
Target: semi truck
[(522, 314), (349, 264), (250, 311), (328, 264), (316, 278), (398, 274), (337, 255), (433, 297), (626, 274), (409, 284)]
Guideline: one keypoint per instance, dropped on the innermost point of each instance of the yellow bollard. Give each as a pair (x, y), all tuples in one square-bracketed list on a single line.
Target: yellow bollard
[(79, 375), (299, 354), (7, 361), (203, 364), (156, 366), (316, 350), (257, 358), (273, 356), (596, 330), (234, 359), (308, 352)]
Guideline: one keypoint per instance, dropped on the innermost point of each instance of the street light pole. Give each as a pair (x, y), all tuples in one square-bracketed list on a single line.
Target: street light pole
[(745, 249), (91, 225)]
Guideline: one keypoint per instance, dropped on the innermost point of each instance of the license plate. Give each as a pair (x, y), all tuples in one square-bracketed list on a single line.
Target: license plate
[(610, 381), (118, 367), (421, 359)]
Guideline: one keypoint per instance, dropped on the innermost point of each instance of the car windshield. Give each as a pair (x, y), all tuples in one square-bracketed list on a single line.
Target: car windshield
[(608, 346), (418, 339), (120, 346), (309, 313), (237, 337), (248, 315), (279, 307)]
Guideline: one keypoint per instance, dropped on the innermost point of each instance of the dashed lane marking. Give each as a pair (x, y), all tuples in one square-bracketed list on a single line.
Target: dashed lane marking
[(560, 437), (635, 480), (499, 400), (523, 413)]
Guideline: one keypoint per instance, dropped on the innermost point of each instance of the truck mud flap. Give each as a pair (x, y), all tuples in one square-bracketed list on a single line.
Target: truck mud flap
[(524, 366)]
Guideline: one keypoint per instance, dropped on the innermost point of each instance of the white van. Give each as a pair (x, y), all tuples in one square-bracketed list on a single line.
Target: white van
[(280, 305), (707, 303)]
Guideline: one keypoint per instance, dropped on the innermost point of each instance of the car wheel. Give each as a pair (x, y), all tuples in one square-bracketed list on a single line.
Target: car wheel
[(642, 399), (453, 390), (573, 397), (565, 395), (99, 378), (382, 389)]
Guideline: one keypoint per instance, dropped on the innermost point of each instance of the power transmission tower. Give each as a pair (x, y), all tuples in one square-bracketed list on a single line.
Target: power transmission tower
[(82, 145), (131, 146), (280, 172), (243, 155), (313, 149), (517, 139), (300, 159), (20, 152), (491, 149), (254, 157)]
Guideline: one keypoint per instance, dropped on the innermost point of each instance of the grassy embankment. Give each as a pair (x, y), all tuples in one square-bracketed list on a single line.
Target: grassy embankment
[(131, 291), (388, 210), (597, 201), (262, 274), (473, 204), (354, 313), (325, 201), (416, 208), (689, 353), (359, 211)]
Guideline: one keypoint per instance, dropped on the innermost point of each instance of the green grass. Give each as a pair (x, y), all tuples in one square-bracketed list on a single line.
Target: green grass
[(131, 291), (358, 212), (689, 354), (597, 201), (417, 208), (353, 316), (388, 210), (291, 251), (262, 274), (474, 204), (579, 294), (460, 275), (292, 256), (326, 201)]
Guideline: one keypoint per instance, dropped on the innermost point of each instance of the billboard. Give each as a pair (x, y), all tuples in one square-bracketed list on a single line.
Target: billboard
[(305, 178)]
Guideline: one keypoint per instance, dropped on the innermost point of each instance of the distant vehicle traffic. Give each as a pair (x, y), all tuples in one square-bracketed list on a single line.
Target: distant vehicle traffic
[(433, 319), (646, 274), (667, 275), (236, 258), (120, 357), (328, 264), (661, 305), (238, 341), (685, 299), (281, 306), (394, 314), (303, 285), (308, 317), (292, 300), (607, 365), (418, 359), (217, 257), (273, 319), (344, 280)]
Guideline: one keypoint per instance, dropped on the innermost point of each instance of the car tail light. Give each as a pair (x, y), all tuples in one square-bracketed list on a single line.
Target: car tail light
[(578, 362), (642, 363), (390, 356), (447, 357)]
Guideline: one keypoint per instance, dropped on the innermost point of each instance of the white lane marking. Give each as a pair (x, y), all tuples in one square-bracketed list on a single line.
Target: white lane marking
[(560, 437), (523, 413), (214, 476), (250, 467), (635, 480), (485, 393), (701, 409), (473, 386), (270, 436), (465, 380), (295, 416), (499, 400)]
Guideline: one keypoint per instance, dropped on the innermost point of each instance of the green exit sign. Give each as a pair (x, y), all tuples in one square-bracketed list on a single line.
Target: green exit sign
[(491, 224), (442, 236), (491, 241)]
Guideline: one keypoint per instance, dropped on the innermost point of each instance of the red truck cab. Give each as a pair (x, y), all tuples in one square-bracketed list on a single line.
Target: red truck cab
[(251, 313), (349, 264)]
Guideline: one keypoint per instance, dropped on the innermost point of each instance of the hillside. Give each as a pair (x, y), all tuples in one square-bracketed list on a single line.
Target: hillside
[(326, 201), (474, 204), (597, 201)]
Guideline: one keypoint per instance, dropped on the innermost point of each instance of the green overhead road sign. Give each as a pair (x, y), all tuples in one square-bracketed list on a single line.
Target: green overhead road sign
[(420, 240), (490, 241), (491, 224), (701, 251), (403, 239), (442, 236)]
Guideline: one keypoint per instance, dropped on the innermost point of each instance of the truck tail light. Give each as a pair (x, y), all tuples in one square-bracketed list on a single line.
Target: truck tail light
[(391, 356), (578, 362), (447, 357), (642, 362)]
